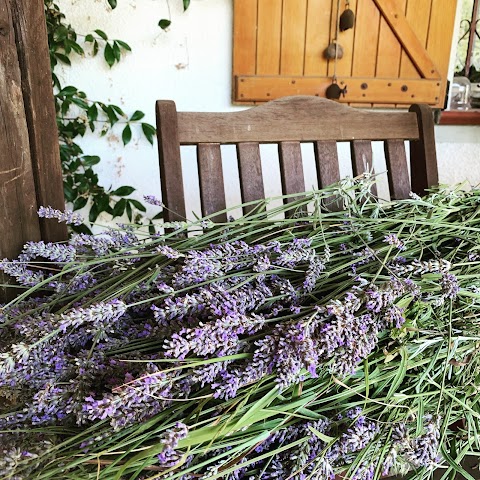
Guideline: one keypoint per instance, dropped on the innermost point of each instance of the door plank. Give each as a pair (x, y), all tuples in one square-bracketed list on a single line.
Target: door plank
[(346, 40), (442, 24), (417, 13), (410, 42), (269, 30), (389, 52), (379, 90), (292, 55), (244, 35), (317, 37)]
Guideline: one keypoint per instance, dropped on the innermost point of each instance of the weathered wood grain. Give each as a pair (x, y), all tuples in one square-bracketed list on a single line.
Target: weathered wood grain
[(289, 122), (34, 61), (171, 177), (300, 118), (396, 160), (210, 173), (18, 203), (250, 171)]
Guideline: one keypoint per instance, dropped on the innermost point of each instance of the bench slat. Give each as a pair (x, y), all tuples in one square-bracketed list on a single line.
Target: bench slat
[(396, 160), (210, 172), (250, 171)]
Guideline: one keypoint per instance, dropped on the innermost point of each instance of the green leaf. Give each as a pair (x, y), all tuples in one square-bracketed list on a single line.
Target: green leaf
[(118, 110), (101, 34), (158, 216), (94, 213), (320, 435), (109, 55), (124, 45), (137, 115), (90, 160), (70, 193), (164, 23), (123, 191), (127, 134), (110, 112), (186, 4), (103, 202), (81, 103), (68, 91), (138, 205), (89, 38), (119, 208), (60, 33), (77, 48), (116, 51), (79, 203), (149, 131), (129, 211), (63, 58), (400, 374), (113, 3), (81, 229), (95, 48), (92, 113)]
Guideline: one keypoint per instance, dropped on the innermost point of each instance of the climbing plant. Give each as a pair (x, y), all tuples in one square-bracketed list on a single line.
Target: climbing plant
[(77, 113)]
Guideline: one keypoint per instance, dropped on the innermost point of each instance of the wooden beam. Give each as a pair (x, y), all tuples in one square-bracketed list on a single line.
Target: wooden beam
[(263, 88), (395, 17), (32, 47), (18, 203)]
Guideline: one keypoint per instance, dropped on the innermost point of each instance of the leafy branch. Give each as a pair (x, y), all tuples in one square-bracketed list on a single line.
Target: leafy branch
[(76, 113)]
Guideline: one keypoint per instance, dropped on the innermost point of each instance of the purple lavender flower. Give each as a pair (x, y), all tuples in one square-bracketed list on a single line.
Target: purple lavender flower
[(381, 298), (392, 239), (450, 287), (56, 252), (169, 252), (394, 317), (299, 251), (169, 457), (219, 337), (18, 270), (315, 269), (152, 200), (135, 401), (424, 449), (66, 216), (100, 316)]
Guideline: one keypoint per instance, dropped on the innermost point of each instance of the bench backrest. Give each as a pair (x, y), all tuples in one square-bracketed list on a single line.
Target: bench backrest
[(289, 121)]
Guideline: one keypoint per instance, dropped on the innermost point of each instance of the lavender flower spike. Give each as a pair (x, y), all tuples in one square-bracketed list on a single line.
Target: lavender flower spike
[(67, 216), (169, 457), (152, 200)]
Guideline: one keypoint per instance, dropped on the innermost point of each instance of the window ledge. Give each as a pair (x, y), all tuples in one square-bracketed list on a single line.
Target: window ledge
[(460, 117)]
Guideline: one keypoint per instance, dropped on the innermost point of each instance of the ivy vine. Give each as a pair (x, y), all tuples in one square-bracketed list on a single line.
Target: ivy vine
[(77, 112)]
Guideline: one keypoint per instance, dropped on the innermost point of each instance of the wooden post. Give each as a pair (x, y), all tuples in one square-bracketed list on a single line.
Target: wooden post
[(30, 168)]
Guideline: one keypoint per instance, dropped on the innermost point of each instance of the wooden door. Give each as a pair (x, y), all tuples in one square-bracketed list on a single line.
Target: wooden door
[(397, 53)]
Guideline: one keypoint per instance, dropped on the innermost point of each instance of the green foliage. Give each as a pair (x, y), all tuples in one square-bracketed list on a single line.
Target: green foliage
[(77, 113)]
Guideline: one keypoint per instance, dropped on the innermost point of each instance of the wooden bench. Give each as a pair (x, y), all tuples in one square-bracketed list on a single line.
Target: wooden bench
[(289, 121)]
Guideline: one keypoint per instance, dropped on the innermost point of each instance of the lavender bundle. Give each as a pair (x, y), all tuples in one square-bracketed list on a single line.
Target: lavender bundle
[(272, 347)]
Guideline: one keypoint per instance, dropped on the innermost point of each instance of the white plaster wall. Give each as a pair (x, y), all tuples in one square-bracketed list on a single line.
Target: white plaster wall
[(191, 64)]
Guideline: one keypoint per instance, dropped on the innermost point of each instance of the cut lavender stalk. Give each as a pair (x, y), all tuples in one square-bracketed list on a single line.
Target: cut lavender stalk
[(300, 347)]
